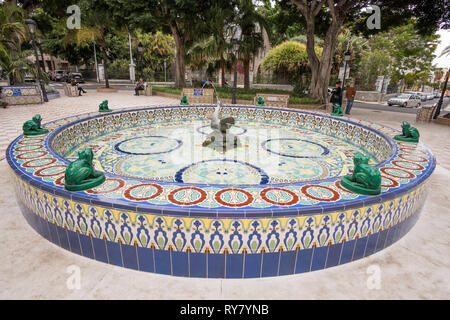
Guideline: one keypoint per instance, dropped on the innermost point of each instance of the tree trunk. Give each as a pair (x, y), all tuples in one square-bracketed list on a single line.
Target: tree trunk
[(321, 70), (222, 65), (105, 58), (180, 67), (246, 63)]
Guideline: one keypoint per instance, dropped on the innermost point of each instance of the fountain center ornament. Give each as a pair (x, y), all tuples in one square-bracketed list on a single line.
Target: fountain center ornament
[(221, 139)]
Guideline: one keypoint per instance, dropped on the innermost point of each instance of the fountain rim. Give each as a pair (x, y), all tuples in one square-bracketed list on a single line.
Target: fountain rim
[(297, 209)]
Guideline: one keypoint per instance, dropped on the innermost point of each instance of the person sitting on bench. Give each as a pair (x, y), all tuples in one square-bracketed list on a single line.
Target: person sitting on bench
[(75, 83), (139, 86)]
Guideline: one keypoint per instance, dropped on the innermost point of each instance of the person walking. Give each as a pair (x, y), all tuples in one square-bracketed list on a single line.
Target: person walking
[(350, 95)]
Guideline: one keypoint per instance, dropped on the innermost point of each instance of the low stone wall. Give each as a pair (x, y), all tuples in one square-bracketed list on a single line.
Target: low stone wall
[(372, 96), (248, 102), (272, 86), (26, 94)]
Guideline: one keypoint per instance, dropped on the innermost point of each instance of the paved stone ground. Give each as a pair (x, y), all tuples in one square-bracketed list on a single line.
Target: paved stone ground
[(416, 267)]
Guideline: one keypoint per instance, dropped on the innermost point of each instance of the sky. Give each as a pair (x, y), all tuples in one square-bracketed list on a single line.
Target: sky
[(444, 61)]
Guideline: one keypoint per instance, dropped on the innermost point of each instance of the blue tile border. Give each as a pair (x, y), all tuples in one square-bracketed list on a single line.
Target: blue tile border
[(206, 265)]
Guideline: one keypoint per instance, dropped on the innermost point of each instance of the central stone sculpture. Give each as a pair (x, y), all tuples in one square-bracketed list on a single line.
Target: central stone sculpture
[(220, 139)]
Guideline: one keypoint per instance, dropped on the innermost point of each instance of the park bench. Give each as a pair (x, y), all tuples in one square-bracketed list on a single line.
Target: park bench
[(425, 113), (147, 91), (273, 100), (193, 95), (70, 91), (23, 94)]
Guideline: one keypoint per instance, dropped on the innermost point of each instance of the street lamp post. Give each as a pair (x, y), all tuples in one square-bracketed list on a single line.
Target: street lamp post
[(31, 26), (140, 50), (347, 57), (441, 99), (39, 45), (235, 47)]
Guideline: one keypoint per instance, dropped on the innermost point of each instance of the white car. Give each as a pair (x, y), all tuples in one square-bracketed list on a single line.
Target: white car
[(405, 100)]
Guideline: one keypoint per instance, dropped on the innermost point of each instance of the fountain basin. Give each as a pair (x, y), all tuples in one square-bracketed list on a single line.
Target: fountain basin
[(272, 207)]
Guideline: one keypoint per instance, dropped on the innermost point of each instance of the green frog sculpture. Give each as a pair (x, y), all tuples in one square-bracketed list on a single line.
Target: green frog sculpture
[(337, 110), (103, 107), (81, 175), (184, 101), (409, 134), (33, 127), (365, 179), (260, 102)]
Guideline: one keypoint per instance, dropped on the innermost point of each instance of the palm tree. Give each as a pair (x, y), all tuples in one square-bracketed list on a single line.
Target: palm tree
[(251, 23), (15, 68), (86, 36), (13, 62), (12, 27), (215, 49)]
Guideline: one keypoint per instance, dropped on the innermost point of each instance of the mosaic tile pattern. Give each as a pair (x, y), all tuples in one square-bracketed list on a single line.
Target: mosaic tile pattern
[(173, 152), (222, 231), (21, 94)]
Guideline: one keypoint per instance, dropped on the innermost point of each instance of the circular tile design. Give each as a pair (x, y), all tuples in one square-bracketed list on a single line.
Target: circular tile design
[(27, 141), (393, 183), (29, 147), (407, 165), (411, 157), (37, 163), (279, 196), (295, 148), (143, 192), (31, 155), (234, 198), (110, 185), (187, 196), (397, 173), (148, 145), (50, 171), (321, 193), (412, 151), (222, 171)]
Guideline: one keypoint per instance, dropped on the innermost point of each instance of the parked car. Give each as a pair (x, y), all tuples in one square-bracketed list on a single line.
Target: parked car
[(430, 96), (75, 75), (437, 94), (406, 100), (59, 75)]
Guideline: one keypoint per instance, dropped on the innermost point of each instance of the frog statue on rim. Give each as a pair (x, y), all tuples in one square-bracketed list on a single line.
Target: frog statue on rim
[(33, 127), (81, 175), (409, 134), (365, 179), (103, 107)]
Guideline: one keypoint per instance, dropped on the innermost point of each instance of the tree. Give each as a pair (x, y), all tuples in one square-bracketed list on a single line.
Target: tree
[(16, 67), (251, 23), (184, 19), (331, 15)]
